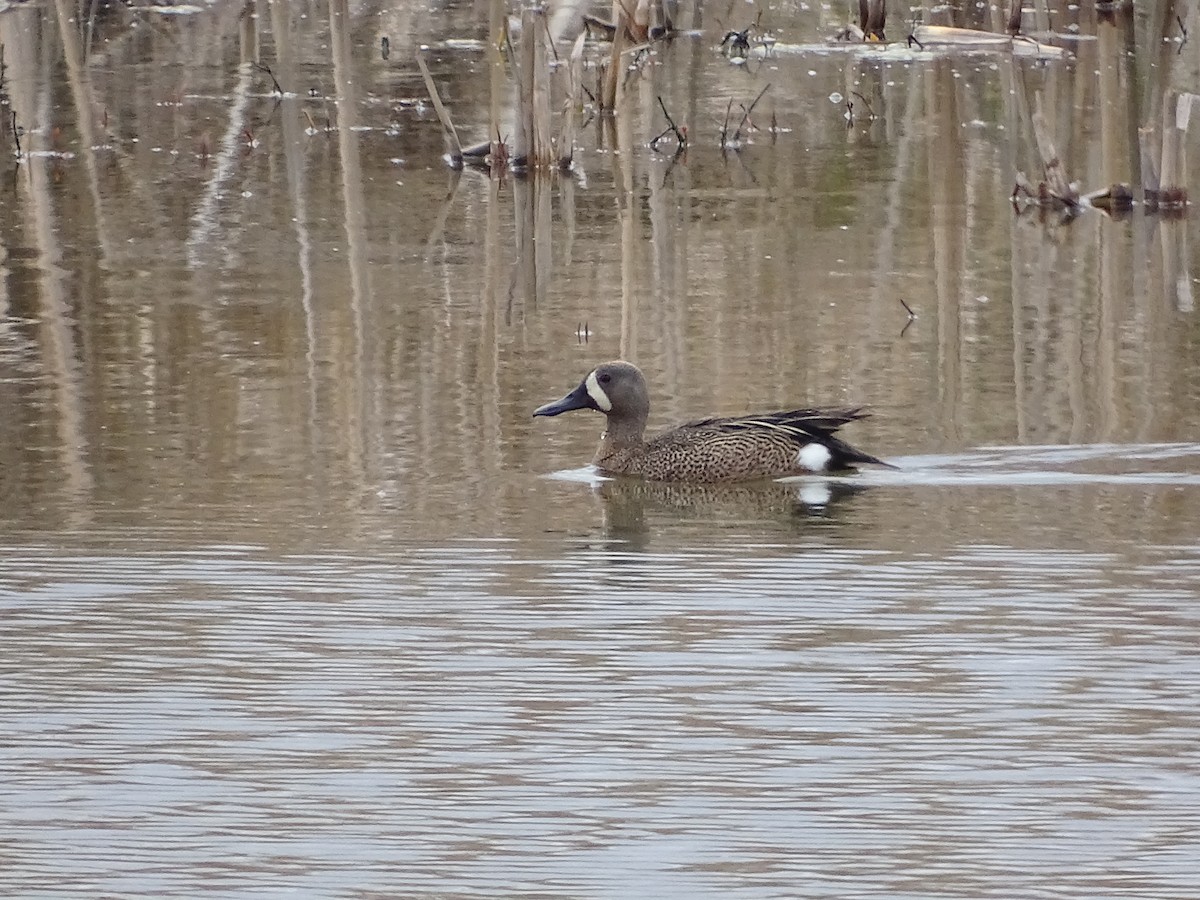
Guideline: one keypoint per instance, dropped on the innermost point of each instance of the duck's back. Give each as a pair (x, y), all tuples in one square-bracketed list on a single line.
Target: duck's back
[(770, 445)]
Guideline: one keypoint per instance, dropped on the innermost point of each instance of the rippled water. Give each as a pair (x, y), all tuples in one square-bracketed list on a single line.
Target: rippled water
[(567, 716), (296, 597)]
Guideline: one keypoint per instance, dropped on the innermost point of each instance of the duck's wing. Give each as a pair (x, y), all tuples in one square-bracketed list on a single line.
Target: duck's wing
[(801, 425), (798, 426)]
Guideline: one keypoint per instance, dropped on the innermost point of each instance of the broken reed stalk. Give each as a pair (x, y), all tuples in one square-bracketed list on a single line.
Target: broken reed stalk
[(522, 64), (573, 104), (612, 74), (872, 17), (522, 148), (1169, 161), (638, 19), (663, 24), (1056, 181), (453, 147), (533, 147), (498, 53), (539, 37), (1176, 116), (1014, 17), (1041, 16)]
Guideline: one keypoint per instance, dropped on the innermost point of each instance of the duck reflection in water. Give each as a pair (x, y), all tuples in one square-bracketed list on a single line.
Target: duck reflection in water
[(630, 504)]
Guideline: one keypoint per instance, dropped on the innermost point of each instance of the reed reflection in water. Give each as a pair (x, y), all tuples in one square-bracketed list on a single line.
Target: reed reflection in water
[(318, 324)]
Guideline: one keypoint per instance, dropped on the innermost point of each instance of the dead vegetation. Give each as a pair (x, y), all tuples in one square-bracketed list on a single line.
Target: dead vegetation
[(1164, 192), (1153, 129), (1161, 134), (549, 96), (940, 33)]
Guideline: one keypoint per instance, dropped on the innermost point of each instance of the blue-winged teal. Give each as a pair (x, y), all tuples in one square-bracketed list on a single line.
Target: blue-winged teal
[(770, 445)]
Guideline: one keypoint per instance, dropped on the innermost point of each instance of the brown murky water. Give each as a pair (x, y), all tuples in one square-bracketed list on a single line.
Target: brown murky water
[(298, 599)]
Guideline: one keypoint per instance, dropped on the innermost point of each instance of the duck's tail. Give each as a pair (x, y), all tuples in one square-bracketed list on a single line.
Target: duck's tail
[(846, 457)]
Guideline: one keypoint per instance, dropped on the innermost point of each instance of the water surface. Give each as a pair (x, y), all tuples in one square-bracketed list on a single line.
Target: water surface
[(299, 599)]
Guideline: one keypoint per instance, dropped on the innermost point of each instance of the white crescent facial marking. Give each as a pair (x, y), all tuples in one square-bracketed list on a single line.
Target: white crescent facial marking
[(814, 457), (597, 393)]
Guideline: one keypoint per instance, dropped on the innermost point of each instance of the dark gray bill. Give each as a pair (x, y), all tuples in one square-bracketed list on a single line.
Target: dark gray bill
[(577, 399)]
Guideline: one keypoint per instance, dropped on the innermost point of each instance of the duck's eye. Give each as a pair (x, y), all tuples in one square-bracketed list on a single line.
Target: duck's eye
[(605, 378)]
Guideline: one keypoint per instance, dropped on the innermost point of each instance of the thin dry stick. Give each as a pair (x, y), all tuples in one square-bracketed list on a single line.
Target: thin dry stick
[(274, 81), (866, 103), (725, 124), (680, 136), (448, 129), (912, 317), (549, 36), (746, 113)]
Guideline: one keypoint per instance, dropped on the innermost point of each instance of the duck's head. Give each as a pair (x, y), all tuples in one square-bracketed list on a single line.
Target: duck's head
[(617, 389)]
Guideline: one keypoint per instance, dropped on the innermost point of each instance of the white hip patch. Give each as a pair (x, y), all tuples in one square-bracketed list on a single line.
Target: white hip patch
[(814, 457), (597, 393)]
